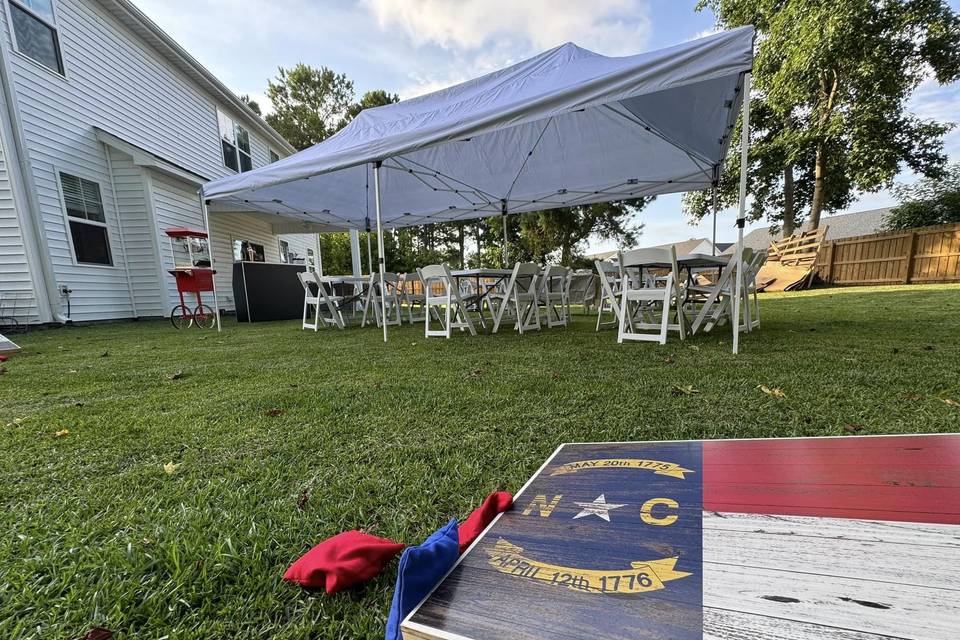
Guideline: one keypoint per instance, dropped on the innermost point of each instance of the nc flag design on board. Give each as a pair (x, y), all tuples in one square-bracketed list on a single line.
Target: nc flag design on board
[(799, 538)]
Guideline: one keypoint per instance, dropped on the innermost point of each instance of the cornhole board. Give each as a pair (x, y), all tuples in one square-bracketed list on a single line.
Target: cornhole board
[(7, 345), (852, 538)]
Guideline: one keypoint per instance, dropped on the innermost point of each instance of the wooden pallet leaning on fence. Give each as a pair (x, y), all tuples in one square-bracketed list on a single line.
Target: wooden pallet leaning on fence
[(791, 262)]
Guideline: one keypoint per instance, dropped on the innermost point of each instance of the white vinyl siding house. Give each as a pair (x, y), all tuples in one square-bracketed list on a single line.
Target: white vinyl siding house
[(135, 121)]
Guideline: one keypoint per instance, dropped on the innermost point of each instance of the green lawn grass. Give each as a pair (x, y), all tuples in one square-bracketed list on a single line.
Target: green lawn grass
[(393, 438)]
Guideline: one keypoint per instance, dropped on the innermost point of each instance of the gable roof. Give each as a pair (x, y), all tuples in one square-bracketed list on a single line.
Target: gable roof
[(843, 225), (147, 30)]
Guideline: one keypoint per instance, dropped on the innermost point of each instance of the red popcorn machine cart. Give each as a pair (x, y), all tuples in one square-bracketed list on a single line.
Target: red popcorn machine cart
[(192, 269)]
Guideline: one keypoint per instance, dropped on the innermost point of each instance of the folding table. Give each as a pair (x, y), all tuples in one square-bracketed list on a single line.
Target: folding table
[(474, 301)]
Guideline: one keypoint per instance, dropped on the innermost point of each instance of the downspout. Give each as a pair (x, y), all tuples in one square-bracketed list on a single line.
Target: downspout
[(34, 221)]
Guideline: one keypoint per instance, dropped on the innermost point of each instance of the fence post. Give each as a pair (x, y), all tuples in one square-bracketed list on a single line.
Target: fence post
[(908, 263)]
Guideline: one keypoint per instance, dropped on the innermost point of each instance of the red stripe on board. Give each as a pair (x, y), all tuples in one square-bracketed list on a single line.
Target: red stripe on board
[(906, 479)]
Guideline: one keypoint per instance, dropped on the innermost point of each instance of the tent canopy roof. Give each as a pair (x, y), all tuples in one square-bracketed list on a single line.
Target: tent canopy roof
[(563, 128)]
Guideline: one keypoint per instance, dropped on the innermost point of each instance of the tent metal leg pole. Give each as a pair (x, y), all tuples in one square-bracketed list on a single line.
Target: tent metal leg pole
[(506, 244), (206, 224), (714, 249), (741, 216), (369, 254), (383, 285)]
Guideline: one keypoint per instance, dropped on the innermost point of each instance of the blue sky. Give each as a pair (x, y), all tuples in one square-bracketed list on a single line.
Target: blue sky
[(412, 47)]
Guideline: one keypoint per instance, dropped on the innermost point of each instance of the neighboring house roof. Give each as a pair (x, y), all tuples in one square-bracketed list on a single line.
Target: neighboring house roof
[(603, 255), (844, 225), (723, 246), (146, 29)]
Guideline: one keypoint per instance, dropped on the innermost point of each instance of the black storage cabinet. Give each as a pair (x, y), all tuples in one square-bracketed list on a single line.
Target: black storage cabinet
[(265, 291)]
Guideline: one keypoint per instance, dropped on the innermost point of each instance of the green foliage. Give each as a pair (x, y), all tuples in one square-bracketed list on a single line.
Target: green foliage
[(832, 79), (253, 104), (370, 99), (392, 438), (308, 104), (927, 202), (562, 231)]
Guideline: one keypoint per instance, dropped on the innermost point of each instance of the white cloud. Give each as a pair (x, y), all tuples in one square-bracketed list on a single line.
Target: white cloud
[(609, 26), (453, 40)]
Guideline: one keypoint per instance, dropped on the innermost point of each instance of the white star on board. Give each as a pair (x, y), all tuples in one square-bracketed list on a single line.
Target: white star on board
[(598, 507)]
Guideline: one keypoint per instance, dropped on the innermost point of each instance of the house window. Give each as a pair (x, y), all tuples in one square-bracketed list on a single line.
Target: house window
[(274, 156), (246, 251), (88, 224), (235, 142), (35, 32), (311, 261), (284, 251)]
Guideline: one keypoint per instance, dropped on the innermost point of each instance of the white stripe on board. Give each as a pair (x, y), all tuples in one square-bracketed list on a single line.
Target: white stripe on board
[(849, 575)]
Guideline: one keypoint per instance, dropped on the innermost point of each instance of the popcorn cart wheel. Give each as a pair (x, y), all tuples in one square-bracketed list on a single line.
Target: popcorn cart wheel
[(193, 275)]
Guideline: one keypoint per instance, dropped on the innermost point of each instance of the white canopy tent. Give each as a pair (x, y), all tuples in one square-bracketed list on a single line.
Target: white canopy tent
[(564, 128)]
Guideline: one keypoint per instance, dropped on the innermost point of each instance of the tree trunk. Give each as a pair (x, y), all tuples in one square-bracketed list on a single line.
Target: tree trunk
[(818, 186), (789, 213), (462, 246)]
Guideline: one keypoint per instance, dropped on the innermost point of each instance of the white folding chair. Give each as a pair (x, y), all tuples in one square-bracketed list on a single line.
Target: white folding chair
[(389, 293), (750, 272), (716, 301), (583, 290), (317, 295), (555, 295), (648, 297), (440, 290), (311, 298), (610, 279), (412, 299), (520, 296)]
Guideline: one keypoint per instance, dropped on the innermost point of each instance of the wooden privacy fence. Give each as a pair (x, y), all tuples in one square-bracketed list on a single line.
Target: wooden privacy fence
[(925, 254)]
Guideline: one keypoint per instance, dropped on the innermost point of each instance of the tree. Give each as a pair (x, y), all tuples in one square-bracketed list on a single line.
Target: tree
[(563, 231), (250, 102), (309, 104), (371, 99), (927, 202), (832, 80)]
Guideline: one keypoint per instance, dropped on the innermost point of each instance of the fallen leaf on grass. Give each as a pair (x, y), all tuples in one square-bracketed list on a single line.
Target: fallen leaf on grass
[(928, 347), (62, 433), (98, 633), (170, 468), (950, 402), (555, 375), (303, 499), (668, 360), (175, 376), (776, 392), (686, 390), (476, 373), (913, 397), (273, 413), (852, 428)]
